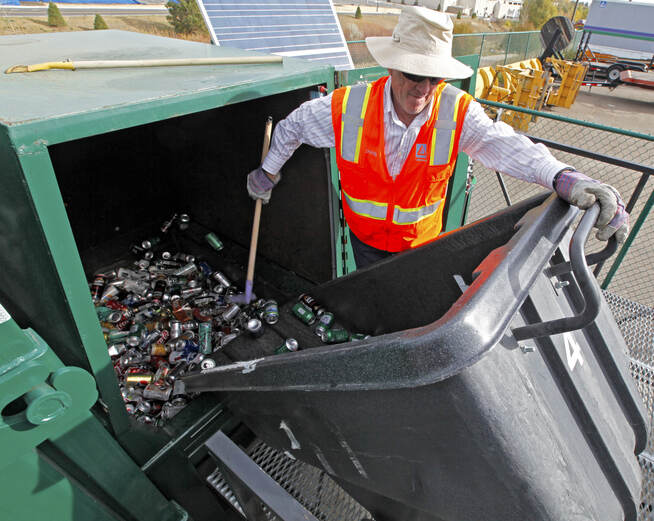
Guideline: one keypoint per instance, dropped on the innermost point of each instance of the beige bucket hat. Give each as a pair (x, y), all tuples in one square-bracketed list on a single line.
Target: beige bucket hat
[(421, 44)]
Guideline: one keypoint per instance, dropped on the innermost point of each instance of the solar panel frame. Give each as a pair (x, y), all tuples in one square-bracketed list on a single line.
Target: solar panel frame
[(306, 29)]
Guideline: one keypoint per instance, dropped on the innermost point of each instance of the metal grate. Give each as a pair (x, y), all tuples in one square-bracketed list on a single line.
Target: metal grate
[(312, 487), (636, 322)]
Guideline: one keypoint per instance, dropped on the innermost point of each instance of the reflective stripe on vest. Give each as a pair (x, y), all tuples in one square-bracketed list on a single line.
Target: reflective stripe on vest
[(355, 103), (414, 215), (371, 209), (442, 140)]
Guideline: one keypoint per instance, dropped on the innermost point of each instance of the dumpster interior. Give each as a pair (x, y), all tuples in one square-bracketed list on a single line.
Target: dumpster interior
[(119, 187)]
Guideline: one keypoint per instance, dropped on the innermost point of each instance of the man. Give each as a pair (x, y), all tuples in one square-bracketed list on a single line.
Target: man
[(397, 140)]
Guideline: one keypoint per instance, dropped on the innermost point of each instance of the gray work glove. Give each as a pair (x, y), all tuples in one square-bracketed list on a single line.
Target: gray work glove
[(260, 186), (583, 191)]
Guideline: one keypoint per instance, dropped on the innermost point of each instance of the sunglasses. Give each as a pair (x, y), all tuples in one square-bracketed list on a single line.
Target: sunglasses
[(418, 79)]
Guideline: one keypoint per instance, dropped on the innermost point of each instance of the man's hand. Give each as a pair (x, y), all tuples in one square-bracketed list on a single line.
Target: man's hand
[(260, 184), (582, 191)]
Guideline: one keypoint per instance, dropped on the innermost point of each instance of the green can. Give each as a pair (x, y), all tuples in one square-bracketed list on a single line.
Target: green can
[(325, 322), (214, 241), (115, 335), (204, 332), (358, 336), (302, 312), (335, 336), (290, 345)]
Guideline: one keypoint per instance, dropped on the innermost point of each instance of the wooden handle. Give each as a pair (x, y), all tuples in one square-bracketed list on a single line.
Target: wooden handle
[(257, 214)]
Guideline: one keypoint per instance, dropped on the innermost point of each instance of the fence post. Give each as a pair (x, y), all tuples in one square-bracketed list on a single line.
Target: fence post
[(481, 48), (508, 44)]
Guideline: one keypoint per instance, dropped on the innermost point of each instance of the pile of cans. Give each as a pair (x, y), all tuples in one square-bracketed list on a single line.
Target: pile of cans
[(162, 315), (309, 311)]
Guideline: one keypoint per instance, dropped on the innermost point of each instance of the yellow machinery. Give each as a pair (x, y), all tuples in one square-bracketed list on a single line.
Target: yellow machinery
[(572, 75), (526, 84)]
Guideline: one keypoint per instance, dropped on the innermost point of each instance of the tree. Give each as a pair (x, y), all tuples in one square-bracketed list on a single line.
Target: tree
[(357, 13), (185, 16), (99, 23), (55, 18), (537, 12)]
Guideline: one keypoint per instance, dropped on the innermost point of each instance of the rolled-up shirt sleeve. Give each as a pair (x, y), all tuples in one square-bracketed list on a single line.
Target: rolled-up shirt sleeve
[(310, 124), (498, 147)]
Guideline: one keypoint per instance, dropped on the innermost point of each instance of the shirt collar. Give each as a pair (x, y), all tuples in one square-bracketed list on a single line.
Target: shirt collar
[(420, 119)]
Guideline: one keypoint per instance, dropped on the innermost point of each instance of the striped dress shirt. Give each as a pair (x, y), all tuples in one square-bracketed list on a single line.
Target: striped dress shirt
[(494, 144)]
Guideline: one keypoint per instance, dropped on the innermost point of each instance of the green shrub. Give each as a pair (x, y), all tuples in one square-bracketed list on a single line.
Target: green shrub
[(458, 15), (185, 17), (357, 13), (473, 15), (99, 23), (55, 19)]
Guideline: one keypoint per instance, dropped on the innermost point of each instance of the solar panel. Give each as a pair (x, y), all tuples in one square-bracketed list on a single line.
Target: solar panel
[(305, 29)]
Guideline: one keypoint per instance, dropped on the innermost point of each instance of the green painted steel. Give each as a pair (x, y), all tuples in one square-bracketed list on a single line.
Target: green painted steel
[(43, 283), (630, 239), (52, 464)]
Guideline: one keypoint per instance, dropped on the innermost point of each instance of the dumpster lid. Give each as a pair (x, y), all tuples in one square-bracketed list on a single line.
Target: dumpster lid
[(41, 96)]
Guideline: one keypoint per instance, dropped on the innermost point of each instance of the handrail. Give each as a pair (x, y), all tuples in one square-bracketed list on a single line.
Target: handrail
[(564, 119)]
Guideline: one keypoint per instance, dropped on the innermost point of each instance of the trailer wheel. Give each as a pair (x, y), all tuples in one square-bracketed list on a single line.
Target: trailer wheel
[(613, 73)]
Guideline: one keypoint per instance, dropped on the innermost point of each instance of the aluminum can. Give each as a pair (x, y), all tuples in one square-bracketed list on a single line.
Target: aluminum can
[(188, 293), (97, 286), (335, 336), (290, 345), (109, 293), (183, 221), (231, 312), (158, 349), (255, 327), (221, 279), (158, 288), (207, 363), (114, 336), (325, 322), (116, 349), (151, 337), (186, 270), (358, 336), (302, 312), (204, 331), (175, 329), (138, 378), (191, 324), (148, 244), (270, 312), (158, 391), (167, 224), (214, 241), (143, 406), (312, 304)]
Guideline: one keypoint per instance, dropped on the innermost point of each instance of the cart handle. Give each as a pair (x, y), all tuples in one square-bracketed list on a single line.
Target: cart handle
[(588, 286)]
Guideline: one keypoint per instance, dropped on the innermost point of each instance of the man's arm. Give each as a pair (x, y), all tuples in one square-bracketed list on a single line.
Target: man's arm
[(498, 147), (311, 124)]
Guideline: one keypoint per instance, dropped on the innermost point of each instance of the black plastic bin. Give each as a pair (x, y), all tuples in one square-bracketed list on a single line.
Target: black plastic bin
[(444, 414)]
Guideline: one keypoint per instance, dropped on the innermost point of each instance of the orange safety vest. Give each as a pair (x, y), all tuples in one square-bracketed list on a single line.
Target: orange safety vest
[(387, 214)]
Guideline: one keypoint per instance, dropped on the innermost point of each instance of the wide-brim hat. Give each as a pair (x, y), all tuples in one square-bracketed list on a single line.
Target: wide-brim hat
[(421, 44)]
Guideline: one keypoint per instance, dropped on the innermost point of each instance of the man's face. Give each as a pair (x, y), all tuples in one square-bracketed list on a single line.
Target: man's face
[(410, 97)]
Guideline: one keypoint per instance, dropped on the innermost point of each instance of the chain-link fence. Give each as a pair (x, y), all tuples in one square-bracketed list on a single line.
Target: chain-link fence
[(492, 48)]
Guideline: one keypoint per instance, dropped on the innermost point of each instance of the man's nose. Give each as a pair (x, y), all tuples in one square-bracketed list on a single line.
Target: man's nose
[(423, 86)]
